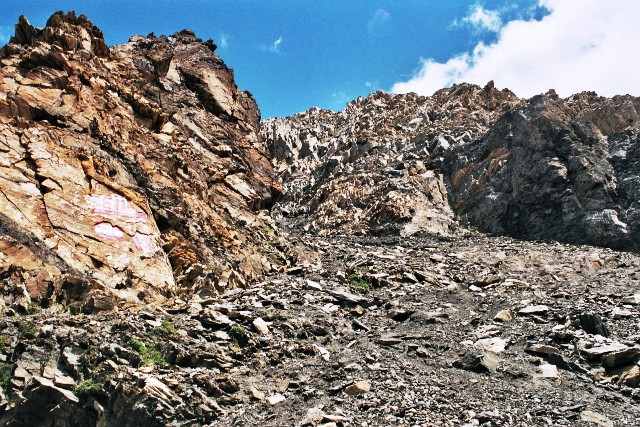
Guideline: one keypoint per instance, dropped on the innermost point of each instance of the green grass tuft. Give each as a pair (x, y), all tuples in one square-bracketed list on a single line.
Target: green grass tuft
[(150, 355), (6, 372), (27, 329), (165, 329), (238, 336), (358, 281), (87, 388), (33, 308), (268, 229)]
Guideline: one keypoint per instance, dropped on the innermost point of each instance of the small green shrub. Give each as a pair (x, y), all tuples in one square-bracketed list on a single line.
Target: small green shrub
[(27, 329), (268, 229), (358, 281), (33, 308), (151, 356), (165, 329), (87, 388), (238, 336), (6, 372), (238, 331), (3, 342)]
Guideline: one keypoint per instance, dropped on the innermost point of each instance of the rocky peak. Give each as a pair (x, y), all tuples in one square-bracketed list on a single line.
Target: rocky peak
[(543, 168), (372, 166), (136, 169), (66, 31)]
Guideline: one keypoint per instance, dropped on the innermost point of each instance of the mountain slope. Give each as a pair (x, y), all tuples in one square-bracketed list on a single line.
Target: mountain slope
[(143, 281), (544, 168)]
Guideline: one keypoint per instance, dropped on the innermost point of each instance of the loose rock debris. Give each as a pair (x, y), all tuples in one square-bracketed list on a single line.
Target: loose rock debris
[(446, 361)]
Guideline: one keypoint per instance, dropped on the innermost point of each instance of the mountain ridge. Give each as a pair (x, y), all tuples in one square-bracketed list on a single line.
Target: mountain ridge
[(436, 133)]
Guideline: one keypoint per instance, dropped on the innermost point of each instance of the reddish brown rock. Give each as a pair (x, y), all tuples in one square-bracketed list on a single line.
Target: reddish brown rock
[(113, 158)]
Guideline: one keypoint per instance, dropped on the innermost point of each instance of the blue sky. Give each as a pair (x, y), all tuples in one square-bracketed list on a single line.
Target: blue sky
[(296, 54)]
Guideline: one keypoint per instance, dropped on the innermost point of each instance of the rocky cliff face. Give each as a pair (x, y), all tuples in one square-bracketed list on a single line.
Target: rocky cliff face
[(544, 168), (130, 176), (376, 166), (555, 169), (135, 170)]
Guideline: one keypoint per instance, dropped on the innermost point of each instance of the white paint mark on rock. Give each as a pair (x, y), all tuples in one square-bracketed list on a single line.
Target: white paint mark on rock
[(144, 244), (107, 231), (114, 206)]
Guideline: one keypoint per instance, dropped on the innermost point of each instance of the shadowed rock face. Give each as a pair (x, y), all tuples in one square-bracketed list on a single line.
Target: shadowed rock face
[(136, 169), (555, 169), (545, 168)]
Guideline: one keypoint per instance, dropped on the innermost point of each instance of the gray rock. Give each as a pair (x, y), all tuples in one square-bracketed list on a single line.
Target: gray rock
[(542, 349), (478, 362), (593, 324), (534, 309), (601, 350), (596, 418), (621, 358), (548, 371), (276, 398), (494, 345)]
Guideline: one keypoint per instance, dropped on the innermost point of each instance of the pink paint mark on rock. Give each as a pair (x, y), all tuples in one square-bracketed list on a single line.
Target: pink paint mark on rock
[(107, 231), (115, 207), (144, 243)]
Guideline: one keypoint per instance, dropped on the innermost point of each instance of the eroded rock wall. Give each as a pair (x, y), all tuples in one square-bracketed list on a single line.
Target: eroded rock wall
[(138, 168), (556, 169), (377, 165), (544, 168)]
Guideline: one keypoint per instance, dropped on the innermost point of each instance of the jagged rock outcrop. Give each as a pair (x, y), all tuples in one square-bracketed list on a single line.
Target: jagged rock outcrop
[(556, 169), (131, 176), (376, 166), (545, 168), (136, 170)]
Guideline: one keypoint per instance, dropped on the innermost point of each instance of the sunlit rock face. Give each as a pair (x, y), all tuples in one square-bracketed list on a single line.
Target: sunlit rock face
[(378, 166), (544, 168), (137, 168)]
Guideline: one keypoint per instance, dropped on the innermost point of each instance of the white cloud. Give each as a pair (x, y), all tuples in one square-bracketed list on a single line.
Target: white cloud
[(579, 45), (379, 19), (223, 40), (372, 85), (274, 47), (483, 19)]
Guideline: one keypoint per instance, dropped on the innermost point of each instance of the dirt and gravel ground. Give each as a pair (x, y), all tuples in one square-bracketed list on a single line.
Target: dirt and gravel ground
[(370, 331), (412, 323)]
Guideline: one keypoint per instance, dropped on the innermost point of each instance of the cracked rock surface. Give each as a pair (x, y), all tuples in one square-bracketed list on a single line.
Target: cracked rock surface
[(138, 168), (378, 331), (544, 168)]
